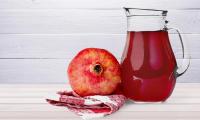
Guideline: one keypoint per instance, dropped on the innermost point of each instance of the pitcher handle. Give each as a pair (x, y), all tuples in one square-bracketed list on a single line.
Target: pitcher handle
[(186, 61)]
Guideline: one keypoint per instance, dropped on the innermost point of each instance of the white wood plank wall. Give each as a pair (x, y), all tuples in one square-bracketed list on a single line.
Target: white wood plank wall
[(38, 38)]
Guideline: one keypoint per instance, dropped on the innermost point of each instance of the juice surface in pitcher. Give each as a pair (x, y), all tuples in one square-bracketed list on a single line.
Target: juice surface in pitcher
[(148, 66)]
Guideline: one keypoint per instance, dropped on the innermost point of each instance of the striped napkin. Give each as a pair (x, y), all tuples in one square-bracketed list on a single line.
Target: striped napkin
[(89, 107)]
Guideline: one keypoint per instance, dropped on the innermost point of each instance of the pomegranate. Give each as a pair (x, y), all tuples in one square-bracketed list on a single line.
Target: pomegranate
[(94, 71)]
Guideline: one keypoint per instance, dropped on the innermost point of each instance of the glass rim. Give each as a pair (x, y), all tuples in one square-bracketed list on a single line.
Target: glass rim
[(163, 12)]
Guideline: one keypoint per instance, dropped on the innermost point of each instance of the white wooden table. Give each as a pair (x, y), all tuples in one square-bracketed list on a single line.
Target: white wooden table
[(27, 102)]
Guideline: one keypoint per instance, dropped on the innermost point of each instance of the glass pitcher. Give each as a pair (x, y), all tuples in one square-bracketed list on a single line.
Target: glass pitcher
[(148, 65)]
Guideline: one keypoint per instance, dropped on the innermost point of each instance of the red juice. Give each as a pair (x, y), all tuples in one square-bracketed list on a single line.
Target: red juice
[(148, 66)]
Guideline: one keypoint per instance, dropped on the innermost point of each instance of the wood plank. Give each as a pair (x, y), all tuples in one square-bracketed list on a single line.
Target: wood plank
[(54, 71), (181, 87), (43, 119), (56, 46), (67, 46), (173, 100), (33, 71), (49, 86), (52, 94), (63, 4), (183, 92), (69, 21), (119, 115), (61, 21), (106, 119), (146, 107)]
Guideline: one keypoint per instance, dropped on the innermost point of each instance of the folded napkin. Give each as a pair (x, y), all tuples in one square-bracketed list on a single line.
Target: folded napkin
[(91, 106)]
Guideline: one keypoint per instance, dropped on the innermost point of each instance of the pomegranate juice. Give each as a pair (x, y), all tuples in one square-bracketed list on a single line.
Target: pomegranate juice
[(148, 66)]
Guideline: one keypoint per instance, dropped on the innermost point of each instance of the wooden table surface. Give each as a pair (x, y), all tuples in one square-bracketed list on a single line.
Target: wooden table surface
[(27, 102)]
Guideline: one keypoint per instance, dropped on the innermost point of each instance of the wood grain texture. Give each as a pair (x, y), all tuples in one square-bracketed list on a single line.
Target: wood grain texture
[(54, 71), (38, 38), (118, 116), (68, 21), (33, 106), (98, 4), (56, 46), (67, 46)]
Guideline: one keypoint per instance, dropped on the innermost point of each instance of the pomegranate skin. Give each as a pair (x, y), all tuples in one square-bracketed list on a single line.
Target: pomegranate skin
[(94, 71)]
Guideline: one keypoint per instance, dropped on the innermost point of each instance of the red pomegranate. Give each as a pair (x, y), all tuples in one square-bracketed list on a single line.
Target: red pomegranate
[(94, 71)]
